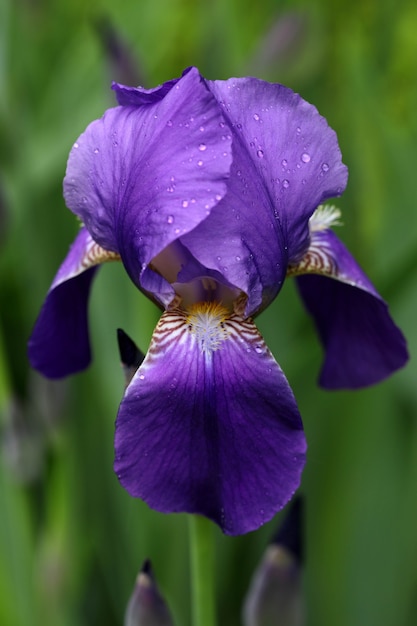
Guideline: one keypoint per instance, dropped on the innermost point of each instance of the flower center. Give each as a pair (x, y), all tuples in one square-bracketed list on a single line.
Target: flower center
[(206, 321)]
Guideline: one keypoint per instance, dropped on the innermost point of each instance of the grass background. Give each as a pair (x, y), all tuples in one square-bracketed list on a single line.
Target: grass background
[(71, 540)]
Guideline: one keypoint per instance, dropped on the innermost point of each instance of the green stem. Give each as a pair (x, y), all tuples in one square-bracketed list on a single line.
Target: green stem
[(202, 571)]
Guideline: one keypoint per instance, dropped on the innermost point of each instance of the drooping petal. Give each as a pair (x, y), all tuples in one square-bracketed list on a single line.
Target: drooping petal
[(362, 344), (149, 171), (286, 160), (209, 424), (59, 344)]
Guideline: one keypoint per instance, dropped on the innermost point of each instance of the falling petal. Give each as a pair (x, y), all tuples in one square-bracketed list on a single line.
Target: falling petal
[(209, 424)]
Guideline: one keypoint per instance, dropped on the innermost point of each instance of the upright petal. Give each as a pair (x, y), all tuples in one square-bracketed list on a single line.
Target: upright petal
[(59, 344), (149, 171), (286, 160), (209, 424), (362, 343)]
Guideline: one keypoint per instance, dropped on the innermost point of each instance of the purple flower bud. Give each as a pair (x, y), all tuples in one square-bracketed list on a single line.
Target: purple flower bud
[(275, 596), (146, 605)]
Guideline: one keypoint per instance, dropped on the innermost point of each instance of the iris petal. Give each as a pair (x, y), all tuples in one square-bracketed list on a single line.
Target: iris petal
[(59, 344), (362, 344), (210, 428), (150, 171), (286, 160)]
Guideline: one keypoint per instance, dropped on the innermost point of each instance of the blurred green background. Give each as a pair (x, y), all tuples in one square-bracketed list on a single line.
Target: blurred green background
[(71, 539)]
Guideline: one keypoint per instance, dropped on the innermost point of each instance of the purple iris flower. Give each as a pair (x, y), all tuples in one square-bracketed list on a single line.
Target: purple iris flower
[(208, 192)]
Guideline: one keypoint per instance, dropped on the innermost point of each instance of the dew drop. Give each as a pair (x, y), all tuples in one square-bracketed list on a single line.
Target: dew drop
[(238, 258), (177, 231), (256, 117), (76, 145), (219, 258), (298, 130), (202, 129), (260, 154), (169, 123), (184, 204), (258, 349), (170, 219), (305, 157), (218, 197), (141, 376), (202, 147), (239, 173), (325, 167), (239, 126), (96, 151), (285, 183), (199, 163), (284, 163)]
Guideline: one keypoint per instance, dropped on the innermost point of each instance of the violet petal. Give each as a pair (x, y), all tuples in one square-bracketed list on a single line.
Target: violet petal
[(286, 160), (150, 171), (362, 343), (59, 344), (215, 432)]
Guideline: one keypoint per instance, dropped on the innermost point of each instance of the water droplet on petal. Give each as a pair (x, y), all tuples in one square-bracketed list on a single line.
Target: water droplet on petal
[(298, 130), (202, 147), (202, 129), (141, 376), (258, 349), (305, 157), (284, 163), (76, 145), (325, 167), (256, 117), (285, 183), (238, 258), (96, 151), (169, 123), (200, 163), (260, 154), (170, 219), (184, 204)]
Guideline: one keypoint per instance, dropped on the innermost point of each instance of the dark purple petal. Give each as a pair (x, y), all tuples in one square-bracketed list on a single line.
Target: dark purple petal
[(215, 432), (59, 344), (286, 161), (150, 171), (362, 344)]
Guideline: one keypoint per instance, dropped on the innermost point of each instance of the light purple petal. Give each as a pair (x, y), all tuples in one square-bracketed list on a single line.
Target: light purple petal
[(286, 161), (59, 344), (145, 174), (362, 344), (215, 432)]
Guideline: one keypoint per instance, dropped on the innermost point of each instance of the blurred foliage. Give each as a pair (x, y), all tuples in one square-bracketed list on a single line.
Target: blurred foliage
[(71, 540)]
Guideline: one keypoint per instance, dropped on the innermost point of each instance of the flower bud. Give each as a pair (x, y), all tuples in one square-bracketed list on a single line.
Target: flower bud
[(130, 355), (122, 64), (275, 596), (146, 605)]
